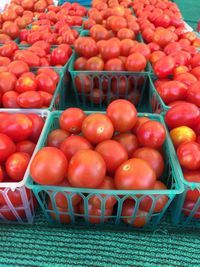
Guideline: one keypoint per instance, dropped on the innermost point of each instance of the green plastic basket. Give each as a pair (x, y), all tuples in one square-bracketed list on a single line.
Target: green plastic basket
[(25, 213), (43, 193)]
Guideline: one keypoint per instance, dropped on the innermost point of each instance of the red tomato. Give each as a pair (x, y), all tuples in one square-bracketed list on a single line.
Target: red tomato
[(59, 56), (114, 64), (81, 171), (110, 49), (164, 66), (189, 155), (188, 207), (64, 216), (71, 145), (25, 146), (113, 153), (155, 56), (125, 33), (15, 197), (10, 216), (153, 157), (94, 64), (24, 84), (11, 29), (125, 47), (18, 67), (98, 32), (45, 83), (38, 124), (86, 47), (80, 63), (160, 202), (195, 61), (142, 49), (71, 120), (151, 134), (110, 201), (193, 94), (122, 114), (97, 128), (9, 100), (128, 141), (46, 98), (192, 176), (16, 165), (30, 99), (172, 47), (43, 171), (186, 114), (51, 73), (136, 62), (7, 147), (56, 137), (139, 122), (135, 174), (4, 61), (28, 57), (186, 78), (162, 37), (140, 218), (7, 81), (21, 129), (182, 134), (4, 38), (196, 72)]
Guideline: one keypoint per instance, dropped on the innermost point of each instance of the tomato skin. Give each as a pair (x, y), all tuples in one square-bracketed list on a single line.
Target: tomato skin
[(146, 202), (25, 84), (196, 72), (56, 137), (16, 165), (125, 33), (153, 157), (45, 83), (7, 147), (4, 61), (18, 67), (15, 197), (7, 81), (30, 99), (164, 67), (25, 146), (188, 205), (151, 134), (113, 153), (135, 174), (28, 57), (114, 64), (139, 122), (51, 73), (80, 63), (97, 128), (43, 171), (155, 56), (94, 64), (192, 176), (71, 145), (193, 94), (135, 62), (128, 209), (186, 78), (8, 215), (81, 172), (183, 114), (195, 61), (124, 112), (182, 134), (59, 57), (71, 120), (38, 124), (125, 47), (110, 49), (17, 126)]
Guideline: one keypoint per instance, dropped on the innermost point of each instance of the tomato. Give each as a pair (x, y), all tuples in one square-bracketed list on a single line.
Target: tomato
[(30, 99), (180, 69), (80, 63), (110, 49), (24, 84), (172, 47), (59, 57), (192, 176), (7, 81), (16, 165), (97, 128), (7, 147), (136, 62), (172, 91), (4, 38), (164, 66), (88, 24), (25, 146), (71, 145), (9, 100), (142, 49), (114, 64), (11, 29), (15, 197), (43, 171), (56, 137), (113, 153), (160, 200), (86, 47), (45, 83), (122, 114), (183, 114), (17, 126), (162, 37), (135, 174), (196, 72), (18, 67), (94, 213), (186, 78), (188, 207), (82, 83), (94, 64), (81, 171), (98, 32), (195, 61), (43, 45), (148, 34), (10, 216), (139, 122), (61, 200), (193, 94), (125, 47), (156, 55), (140, 218), (182, 134), (4, 61), (28, 57), (125, 33)]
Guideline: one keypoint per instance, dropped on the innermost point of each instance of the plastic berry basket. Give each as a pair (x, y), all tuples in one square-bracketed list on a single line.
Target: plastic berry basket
[(81, 2), (24, 213), (44, 194)]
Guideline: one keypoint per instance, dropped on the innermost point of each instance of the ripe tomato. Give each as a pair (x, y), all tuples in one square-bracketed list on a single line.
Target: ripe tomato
[(94, 213), (196, 72), (162, 37), (186, 78), (110, 201), (161, 200), (151, 134), (110, 49), (83, 83), (123, 115), (113, 153), (59, 56), (30, 99), (46, 98), (188, 207), (9, 100), (136, 62), (80, 63), (11, 29), (45, 83), (94, 64), (71, 145), (24, 84), (81, 171), (182, 134), (21, 129), (7, 81), (28, 57), (43, 171), (142, 49), (125, 33), (128, 141), (16, 165), (25, 146), (4, 61), (15, 197), (186, 114), (7, 147), (140, 218), (139, 122), (164, 66), (10, 216), (97, 128), (98, 32), (114, 64), (180, 69), (18, 67), (195, 61), (56, 137), (172, 47), (193, 94), (38, 124), (192, 176), (135, 174), (51, 73), (86, 47), (125, 47), (71, 120)]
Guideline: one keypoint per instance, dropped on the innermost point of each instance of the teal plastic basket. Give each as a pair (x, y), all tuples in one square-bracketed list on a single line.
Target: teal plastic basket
[(25, 213), (86, 3), (45, 193)]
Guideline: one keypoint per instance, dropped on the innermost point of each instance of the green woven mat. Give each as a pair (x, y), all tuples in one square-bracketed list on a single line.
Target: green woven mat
[(44, 245), (190, 9)]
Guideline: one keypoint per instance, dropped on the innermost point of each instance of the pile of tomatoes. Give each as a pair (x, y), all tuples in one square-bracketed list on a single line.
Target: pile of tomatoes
[(117, 150), (19, 134), (183, 121)]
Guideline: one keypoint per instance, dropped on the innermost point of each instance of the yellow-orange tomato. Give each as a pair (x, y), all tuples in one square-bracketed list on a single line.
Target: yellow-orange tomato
[(180, 69), (182, 134), (196, 43)]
